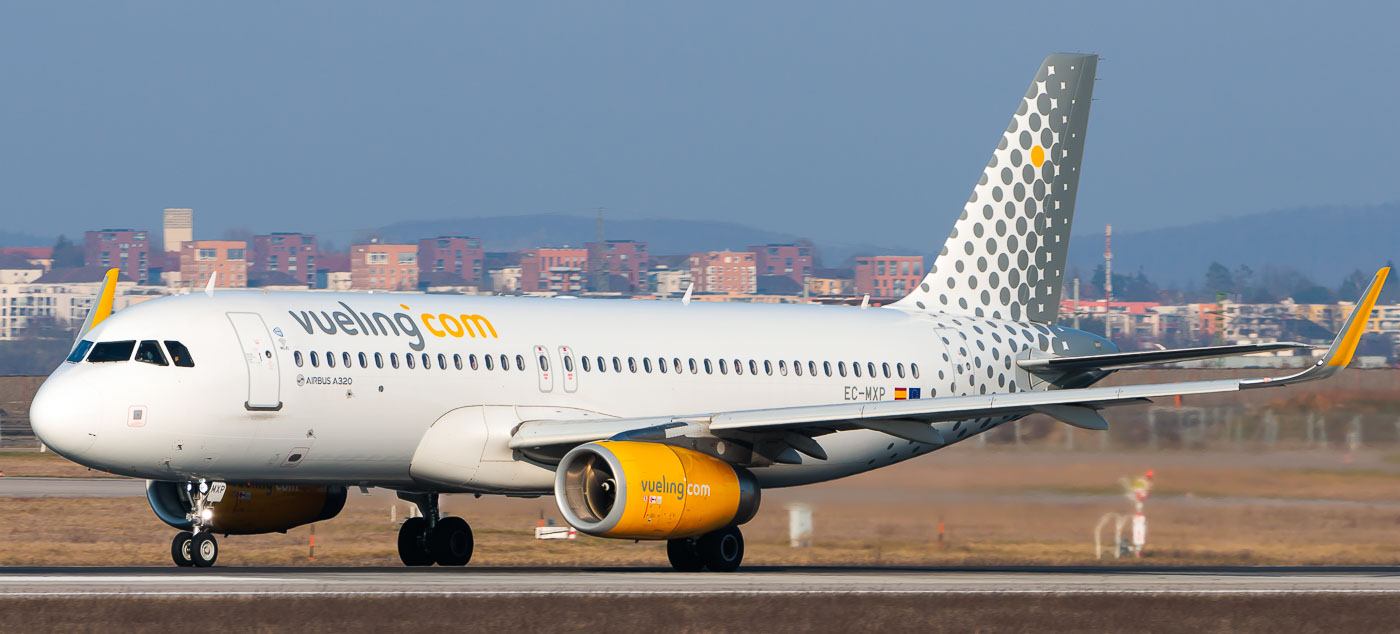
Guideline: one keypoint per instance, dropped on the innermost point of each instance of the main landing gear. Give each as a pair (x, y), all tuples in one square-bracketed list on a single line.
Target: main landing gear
[(430, 539), (719, 551)]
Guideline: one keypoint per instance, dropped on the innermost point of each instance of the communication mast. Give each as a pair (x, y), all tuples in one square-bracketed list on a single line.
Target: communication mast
[(601, 277), (1108, 281)]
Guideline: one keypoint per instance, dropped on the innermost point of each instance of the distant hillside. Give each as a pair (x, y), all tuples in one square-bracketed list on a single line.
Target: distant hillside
[(512, 233), (664, 237), (1323, 243), (9, 239)]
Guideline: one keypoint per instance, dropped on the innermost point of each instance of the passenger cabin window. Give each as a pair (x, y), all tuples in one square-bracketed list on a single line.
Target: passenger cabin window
[(364, 360), (111, 352), (379, 360), (544, 363), (79, 351), (617, 364), (428, 362), (345, 358), (677, 364), (520, 362), (738, 367), (708, 368), (569, 363), (693, 369), (632, 364), (812, 368), (841, 366), (723, 367), (584, 360), (899, 368), (826, 365), (179, 354), (471, 358), (408, 361), (914, 369), (797, 367), (315, 359), (855, 368), (768, 368), (296, 358), (457, 361), (149, 352), (490, 365), (886, 367), (753, 368), (870, 368), (393, 360), (646, 364), (330, 359), (782, 367)]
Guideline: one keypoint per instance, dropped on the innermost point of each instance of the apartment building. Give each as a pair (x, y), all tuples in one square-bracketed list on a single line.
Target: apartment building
[(553, 270), (384, 267), (888, 276), (458, 255), (199, 259), (293, 254), (730, 272), (125, 249)]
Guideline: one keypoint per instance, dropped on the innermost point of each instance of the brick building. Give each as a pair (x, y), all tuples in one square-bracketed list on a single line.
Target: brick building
[(557, 270), (291, 253), (201, 258), (789, 260), (626, 259), (384, 267), (124, 249), (458, 255), (888, 276), (724, 272)]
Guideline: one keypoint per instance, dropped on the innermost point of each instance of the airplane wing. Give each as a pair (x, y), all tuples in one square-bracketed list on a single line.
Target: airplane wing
[(911, 419)]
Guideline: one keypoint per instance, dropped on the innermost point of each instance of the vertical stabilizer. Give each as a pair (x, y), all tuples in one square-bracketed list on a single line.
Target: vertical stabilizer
[(1005, 258)]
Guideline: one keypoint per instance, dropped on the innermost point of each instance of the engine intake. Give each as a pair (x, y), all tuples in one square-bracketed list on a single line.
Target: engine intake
[(642, 490), (249, 509)]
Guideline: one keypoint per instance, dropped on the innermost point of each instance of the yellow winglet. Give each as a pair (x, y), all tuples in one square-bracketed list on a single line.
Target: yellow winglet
[(103, 308), (1345, 345)]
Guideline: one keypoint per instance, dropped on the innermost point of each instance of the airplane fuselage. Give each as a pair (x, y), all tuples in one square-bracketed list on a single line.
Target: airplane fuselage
[(271, 397)]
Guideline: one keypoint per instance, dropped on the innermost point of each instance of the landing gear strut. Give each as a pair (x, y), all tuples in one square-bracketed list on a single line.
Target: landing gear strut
[(430, 539), (198, 547), (719, 551)]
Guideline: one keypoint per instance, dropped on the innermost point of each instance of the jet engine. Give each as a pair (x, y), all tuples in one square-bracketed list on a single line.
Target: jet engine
[(642, 490), (249, 509)]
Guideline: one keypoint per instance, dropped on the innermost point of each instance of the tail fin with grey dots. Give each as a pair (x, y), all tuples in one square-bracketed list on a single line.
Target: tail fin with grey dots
[(1005, 258)]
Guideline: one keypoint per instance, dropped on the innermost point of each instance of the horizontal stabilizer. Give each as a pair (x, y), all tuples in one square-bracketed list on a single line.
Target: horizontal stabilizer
[(1120, 360)]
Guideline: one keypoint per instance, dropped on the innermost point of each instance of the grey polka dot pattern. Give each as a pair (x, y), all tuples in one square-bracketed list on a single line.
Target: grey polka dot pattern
[(1005, 258)]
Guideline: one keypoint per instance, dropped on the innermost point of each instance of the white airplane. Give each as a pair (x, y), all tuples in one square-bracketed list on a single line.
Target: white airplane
[(252, 412)]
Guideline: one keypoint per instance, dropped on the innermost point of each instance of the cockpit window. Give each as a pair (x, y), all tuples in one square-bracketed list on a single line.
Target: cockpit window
[(111, 352), (179, 354), (149, 352), (79, 351)]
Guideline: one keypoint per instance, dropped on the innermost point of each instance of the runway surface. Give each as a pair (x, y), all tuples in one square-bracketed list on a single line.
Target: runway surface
[(55, 582), (71, 487)]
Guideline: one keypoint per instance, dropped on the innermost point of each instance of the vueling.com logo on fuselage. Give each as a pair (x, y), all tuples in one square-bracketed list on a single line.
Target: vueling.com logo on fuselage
[(679, 489), (351, 322)]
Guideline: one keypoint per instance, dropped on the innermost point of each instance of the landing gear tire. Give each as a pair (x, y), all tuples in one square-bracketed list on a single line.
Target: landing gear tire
[(182, 549), (685, 555), (204, 550), (722, 550), (450, 543), (413, 549)]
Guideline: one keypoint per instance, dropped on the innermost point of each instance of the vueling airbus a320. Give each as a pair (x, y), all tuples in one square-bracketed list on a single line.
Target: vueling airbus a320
[(251, 412)]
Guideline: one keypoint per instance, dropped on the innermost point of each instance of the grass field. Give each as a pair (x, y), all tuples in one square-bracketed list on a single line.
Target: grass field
[(786, 613), (997, 508)]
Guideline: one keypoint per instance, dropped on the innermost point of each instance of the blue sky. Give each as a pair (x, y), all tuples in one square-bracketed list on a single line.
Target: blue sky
[(860, 122)]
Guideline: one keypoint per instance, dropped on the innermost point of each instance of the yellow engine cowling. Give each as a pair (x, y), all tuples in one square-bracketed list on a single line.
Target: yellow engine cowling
[(249, 509), (641, 490)]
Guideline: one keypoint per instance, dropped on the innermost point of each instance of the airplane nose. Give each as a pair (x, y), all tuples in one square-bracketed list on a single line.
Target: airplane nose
[(57, 418)]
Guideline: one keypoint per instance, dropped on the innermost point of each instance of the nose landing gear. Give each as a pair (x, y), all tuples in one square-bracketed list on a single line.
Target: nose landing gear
[(426, 540), (198, 547)]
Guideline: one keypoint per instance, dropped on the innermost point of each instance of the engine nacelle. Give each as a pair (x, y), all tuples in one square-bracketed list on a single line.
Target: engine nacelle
[(248, 509), (642, 490)]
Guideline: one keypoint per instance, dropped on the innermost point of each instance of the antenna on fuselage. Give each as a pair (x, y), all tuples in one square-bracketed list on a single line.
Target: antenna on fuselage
[(209, 288), (865, 303), (685, 300)]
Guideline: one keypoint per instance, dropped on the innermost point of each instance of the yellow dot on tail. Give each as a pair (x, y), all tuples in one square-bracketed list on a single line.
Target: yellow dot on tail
[(1037, 155)]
